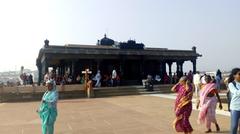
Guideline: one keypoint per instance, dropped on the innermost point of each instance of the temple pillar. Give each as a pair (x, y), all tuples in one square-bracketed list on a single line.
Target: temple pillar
[(170, 71), (122, 67), (180, 68), (98, 64), (73, 68), (54, 68), (177, 71), (162, 69), (64, 68), (194, 62), (59, 70), (44, 68)]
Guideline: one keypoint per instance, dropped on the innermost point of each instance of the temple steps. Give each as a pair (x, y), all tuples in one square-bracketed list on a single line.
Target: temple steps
[(76, 91), (129, 90)]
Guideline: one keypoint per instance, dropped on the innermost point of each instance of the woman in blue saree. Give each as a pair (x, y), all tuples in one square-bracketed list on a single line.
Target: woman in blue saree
[(48, 108)]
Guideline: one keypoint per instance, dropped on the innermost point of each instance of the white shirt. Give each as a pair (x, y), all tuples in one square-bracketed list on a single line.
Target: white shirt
[(114, 74), (97, 76), (196, 79), (203, 80), (235, 93)]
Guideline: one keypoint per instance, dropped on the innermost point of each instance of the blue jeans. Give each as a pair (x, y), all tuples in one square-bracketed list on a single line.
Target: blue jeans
[(235, 116)]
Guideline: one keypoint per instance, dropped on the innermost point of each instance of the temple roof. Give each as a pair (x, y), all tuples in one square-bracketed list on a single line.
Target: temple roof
[(96, 51), (106, 41)]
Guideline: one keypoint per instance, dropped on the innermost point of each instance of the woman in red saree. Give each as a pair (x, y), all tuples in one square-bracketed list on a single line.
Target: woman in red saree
[(208, 101), (183, 106)]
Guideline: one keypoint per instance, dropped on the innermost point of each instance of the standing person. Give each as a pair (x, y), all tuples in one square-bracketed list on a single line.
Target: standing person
[(218, 79), (175, 78), (214, 79), (149, 83), (190, 76), (114, 76), (31, 79), (208, 101), (78, 79), (24, 79), (234, 87), (197, 82), (46, 78), (48, 108), (166, 78), (118, 79), (183, 106), (98, 78)]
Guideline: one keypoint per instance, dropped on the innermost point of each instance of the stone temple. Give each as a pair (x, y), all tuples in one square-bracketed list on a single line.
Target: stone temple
[(132, 60)]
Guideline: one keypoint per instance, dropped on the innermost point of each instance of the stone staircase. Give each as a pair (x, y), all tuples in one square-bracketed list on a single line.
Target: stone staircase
[(129, 90), (75, 91)]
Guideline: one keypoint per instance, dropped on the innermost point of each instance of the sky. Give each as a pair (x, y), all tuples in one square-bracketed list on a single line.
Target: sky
[(213, 26)]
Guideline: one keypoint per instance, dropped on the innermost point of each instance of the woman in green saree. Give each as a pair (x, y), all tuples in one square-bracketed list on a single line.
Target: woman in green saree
[(48, 108)]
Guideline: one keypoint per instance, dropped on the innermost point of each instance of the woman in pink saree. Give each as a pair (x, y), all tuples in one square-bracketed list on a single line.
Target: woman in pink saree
[(183, 106), (208, 101)]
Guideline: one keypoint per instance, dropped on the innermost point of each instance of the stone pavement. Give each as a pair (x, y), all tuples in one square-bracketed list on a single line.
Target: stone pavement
[(113, 115)]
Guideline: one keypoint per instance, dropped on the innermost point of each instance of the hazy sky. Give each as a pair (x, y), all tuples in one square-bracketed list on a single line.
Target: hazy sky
[(211, 25)]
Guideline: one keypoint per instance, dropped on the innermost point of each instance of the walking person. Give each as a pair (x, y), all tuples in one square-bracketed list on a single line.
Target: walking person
[(208, 101), (218, 79), (234, 87), (183, 106), (197, 82), (48, 108)]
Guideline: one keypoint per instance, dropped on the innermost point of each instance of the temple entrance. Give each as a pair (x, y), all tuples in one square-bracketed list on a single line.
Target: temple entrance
[(132, 70)]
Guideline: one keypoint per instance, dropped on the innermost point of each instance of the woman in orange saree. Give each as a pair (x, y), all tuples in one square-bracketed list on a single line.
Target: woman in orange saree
[(183, 106)]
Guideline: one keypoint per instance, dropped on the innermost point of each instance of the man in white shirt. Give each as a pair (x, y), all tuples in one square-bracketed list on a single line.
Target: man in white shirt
[(114, 76), (197, 82)]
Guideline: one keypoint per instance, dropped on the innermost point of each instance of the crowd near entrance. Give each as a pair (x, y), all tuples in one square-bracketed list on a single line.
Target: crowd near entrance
[(117, 72)]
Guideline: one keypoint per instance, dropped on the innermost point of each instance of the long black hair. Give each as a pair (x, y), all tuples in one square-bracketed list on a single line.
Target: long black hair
[(231, 76), (208, 78)]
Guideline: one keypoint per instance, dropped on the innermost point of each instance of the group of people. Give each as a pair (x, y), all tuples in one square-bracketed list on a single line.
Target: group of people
[(106, 80), (63, 80), (27, 79), (207, 99), (176, 77)]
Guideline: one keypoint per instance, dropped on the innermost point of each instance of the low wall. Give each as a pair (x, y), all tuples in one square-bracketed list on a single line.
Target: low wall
[(33, 93), (33, 89)]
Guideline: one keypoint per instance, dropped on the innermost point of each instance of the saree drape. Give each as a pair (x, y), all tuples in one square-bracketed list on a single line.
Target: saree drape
[(183, 109), (48, 111), (207, 112)]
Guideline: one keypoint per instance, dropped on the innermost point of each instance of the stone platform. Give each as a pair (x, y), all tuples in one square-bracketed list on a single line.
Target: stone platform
[(113, 115)]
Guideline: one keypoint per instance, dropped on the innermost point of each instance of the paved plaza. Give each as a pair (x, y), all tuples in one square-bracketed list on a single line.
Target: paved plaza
[(113, 115)]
